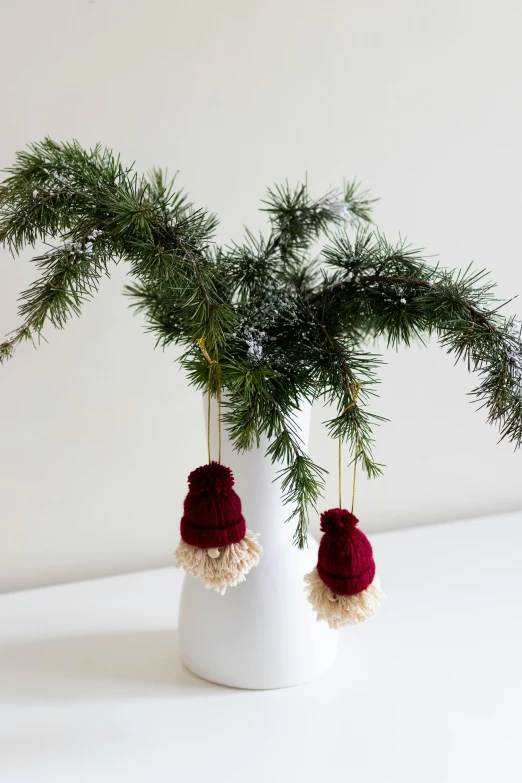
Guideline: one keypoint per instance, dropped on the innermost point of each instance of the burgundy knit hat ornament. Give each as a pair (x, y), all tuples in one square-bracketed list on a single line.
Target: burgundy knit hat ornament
[(343, 588), (215, 543)]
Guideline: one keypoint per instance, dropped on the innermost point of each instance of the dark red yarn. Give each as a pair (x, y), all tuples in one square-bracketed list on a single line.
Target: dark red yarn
[(345, 562), (212, 509)]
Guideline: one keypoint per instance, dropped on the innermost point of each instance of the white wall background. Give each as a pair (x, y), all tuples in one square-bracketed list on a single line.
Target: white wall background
[(420, 100)]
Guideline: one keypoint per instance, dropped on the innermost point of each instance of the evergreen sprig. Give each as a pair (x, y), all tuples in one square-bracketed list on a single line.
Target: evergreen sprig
[(281, 322)]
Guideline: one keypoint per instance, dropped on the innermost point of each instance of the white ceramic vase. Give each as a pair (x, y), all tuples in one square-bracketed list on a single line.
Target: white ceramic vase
[(262, 633)]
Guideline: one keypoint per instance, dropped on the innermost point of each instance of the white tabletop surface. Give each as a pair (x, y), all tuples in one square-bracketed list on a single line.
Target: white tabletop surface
[(430, 691)]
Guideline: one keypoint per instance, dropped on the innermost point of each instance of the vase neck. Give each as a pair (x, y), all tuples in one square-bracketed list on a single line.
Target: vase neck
[(256, 479)]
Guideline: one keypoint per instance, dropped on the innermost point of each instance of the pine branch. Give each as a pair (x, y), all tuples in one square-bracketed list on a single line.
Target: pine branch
[(392, 291), (280, 325), (86, 199)]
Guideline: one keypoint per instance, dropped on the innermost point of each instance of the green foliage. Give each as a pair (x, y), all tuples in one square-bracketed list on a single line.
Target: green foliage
[(280, 324)]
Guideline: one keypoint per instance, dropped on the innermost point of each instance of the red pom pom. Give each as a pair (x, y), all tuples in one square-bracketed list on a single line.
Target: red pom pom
[(338, 522), (212, 478)]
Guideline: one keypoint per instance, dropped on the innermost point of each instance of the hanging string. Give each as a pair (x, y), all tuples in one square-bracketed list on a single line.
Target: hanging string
[(208, 425), (355, 388), (219, 424), (202, 348), (355, 468)]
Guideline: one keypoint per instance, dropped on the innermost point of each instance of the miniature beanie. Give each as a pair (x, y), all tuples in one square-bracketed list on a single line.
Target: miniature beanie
[(345, 561), (212, 509)]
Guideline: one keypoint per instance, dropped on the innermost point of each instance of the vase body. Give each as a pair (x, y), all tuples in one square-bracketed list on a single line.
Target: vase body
[(262, 633)]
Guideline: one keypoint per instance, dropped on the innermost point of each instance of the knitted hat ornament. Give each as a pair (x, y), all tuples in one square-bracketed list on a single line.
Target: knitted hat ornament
[(343, 588), (215, 545)]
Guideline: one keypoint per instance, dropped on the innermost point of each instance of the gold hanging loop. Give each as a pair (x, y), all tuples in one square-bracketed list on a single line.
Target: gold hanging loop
[(355, 389), (219, 424), (202, 348)]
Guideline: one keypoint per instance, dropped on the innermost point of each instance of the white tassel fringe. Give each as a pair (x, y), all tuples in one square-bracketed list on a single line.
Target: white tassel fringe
[(339, 610), (228, 569)]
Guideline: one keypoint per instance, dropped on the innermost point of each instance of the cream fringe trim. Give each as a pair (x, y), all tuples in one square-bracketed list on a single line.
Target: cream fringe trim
[(228, 569), (339, 610)]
